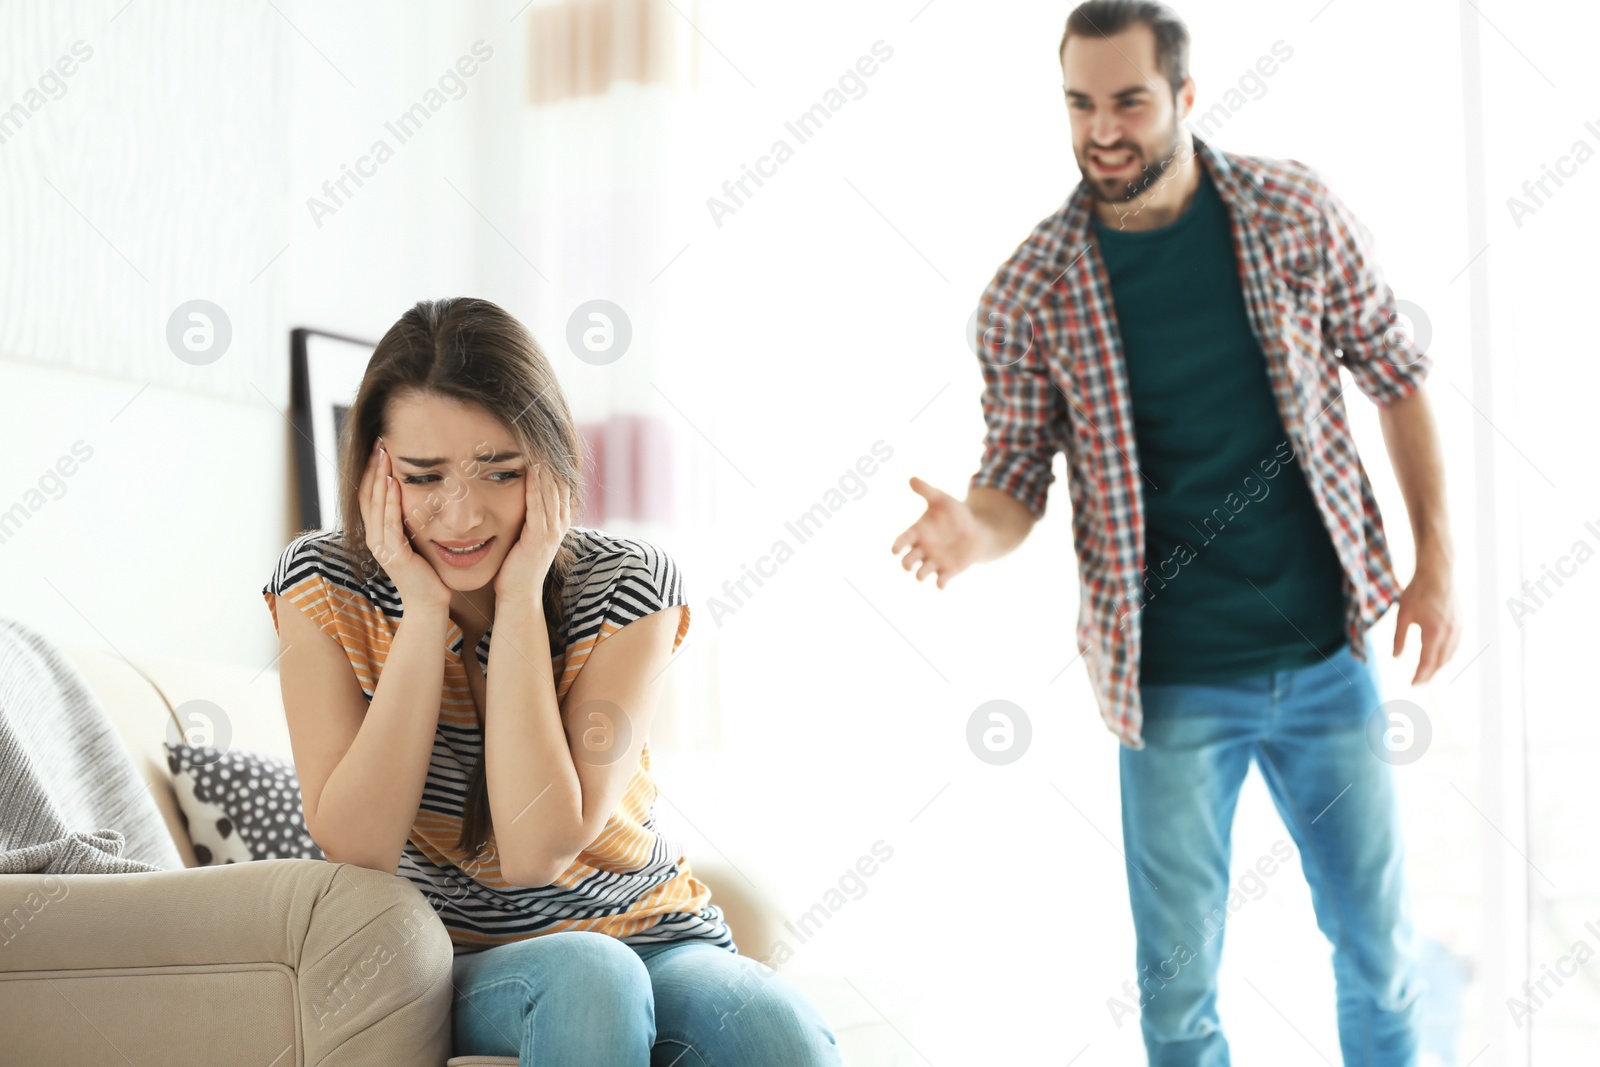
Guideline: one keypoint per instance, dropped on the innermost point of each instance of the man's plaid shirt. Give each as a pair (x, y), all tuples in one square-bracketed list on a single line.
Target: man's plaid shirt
[(1055, 380)]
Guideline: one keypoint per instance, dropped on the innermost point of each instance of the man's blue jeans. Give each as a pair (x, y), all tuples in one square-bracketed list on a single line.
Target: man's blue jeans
[(584, 999), (1306, 729)]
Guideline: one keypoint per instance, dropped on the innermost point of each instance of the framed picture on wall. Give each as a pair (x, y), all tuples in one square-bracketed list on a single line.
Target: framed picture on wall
[(325, 372)]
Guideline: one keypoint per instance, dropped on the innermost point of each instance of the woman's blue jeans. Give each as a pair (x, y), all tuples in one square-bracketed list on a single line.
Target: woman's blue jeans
[(585, 999), (1307, 730)]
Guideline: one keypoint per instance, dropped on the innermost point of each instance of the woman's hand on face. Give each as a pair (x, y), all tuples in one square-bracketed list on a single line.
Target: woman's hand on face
[(544, 527), (419, 584)]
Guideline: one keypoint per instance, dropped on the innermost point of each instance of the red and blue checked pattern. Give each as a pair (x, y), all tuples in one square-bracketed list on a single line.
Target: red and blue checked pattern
[(1055, 380)]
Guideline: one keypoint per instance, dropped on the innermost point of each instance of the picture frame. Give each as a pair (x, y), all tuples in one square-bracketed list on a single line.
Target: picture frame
[(325, 373)]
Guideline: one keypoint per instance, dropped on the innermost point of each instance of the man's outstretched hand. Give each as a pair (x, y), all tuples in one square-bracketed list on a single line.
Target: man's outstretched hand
[(945, 541)]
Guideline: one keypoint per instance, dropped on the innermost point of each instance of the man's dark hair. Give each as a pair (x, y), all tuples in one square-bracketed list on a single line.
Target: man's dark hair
[(1107, 18)]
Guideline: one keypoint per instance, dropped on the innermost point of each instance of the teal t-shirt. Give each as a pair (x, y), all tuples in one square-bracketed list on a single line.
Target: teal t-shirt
[(1240, 577)]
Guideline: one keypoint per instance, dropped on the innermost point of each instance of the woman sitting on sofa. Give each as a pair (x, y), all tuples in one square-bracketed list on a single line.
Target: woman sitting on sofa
[(521, 806)]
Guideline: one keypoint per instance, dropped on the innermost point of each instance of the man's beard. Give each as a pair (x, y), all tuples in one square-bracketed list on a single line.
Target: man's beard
[(1147, 177)]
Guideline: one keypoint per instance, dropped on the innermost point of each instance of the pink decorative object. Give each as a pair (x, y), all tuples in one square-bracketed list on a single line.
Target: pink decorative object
[(629, 470)]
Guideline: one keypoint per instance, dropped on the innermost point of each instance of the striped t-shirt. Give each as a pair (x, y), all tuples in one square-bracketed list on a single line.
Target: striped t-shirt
[(631, 882)]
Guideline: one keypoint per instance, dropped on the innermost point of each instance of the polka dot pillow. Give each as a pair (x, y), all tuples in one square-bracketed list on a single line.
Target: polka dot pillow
[(239, 806)]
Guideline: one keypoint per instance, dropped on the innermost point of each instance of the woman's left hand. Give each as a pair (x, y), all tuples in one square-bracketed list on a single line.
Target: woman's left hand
[(544, 526)]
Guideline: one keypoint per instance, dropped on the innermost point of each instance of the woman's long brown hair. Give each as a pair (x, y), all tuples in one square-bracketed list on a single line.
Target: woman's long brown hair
[(474, 351)]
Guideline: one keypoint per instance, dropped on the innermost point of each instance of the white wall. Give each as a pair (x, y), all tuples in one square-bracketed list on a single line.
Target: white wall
[(189, 143)]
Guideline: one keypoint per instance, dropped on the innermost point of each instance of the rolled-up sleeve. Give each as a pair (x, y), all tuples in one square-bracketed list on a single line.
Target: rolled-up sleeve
[(1374, 339), (1027, 418)]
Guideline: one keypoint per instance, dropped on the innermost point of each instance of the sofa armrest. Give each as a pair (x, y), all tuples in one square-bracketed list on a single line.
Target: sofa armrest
[(747, 906), (277, 962)]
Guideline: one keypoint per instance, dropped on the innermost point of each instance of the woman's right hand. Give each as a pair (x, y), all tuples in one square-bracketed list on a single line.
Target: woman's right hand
[(945, 541), (419, 584)]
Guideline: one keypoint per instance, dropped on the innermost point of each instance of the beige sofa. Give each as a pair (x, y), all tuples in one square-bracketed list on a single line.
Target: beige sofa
[(277, 962)]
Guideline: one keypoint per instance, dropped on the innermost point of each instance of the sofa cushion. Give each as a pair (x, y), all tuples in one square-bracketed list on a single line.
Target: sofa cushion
[(239, 805)]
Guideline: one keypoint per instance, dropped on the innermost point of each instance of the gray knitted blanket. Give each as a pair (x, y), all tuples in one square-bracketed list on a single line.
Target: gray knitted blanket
[(71, 801)]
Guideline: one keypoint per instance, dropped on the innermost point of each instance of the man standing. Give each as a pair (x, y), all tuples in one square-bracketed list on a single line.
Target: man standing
[(1177, 329)]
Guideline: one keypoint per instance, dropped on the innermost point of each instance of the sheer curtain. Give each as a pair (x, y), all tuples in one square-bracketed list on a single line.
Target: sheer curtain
[(607, 84), (791, 333), (1539, 140), (840, 287)]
